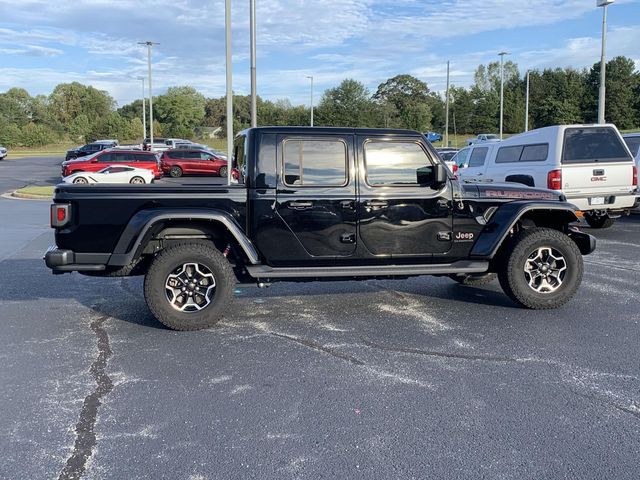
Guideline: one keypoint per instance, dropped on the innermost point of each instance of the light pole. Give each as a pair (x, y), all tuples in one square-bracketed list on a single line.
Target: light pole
[(150, 44), (229, 68), (602, 91), (144, 112), (446, 112), (310, 77), (252, 31), (502, 54), (526, 106)]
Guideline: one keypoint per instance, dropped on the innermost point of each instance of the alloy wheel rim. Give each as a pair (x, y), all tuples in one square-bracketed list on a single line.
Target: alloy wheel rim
[(80, 180), (137, 180), (190, 287), (545, 270)]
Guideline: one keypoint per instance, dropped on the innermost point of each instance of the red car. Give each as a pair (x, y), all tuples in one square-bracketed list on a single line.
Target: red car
[(100, 160), (176, 163)]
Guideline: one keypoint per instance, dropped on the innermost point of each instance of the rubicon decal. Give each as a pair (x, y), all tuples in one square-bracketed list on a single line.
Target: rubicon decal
[(519, 194)]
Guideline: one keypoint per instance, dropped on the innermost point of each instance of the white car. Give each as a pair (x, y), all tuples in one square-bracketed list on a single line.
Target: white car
[(590, 164), (113, 174), (483, 137), (3, 153)]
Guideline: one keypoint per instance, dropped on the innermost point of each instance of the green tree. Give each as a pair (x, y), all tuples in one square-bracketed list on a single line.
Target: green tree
[(135, 129), (409, 99), (68, 100), (32, 135), (79, 128), (347, 105), (622, 82), (16, 106), (10, 134), (181, 109)]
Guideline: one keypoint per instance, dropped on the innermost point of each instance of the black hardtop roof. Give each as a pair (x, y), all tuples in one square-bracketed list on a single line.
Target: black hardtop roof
[(334, 130)]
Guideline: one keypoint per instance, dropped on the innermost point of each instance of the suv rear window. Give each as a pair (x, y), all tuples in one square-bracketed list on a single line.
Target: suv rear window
[(587, 145)]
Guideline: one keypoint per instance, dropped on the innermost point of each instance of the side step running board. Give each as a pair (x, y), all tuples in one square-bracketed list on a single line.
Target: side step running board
[(462, 266)]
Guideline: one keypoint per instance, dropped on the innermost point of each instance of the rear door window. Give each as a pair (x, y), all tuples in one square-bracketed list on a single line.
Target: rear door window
[(593, 144), (478, 156), (394, 163), (141, 157), (315, 162)]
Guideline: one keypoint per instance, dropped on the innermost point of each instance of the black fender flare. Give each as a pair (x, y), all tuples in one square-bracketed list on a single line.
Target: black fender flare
[(134, 234), (506, 217)]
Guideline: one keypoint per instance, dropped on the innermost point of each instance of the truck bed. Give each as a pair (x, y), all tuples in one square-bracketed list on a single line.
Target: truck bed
[(102, 211)]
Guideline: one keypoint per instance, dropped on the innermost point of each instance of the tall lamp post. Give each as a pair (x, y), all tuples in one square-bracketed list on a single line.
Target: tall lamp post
[(252, 31), (446, 112), (150, 44), (310, 77), (526, 106), (502, 54), (144, 112), (229, 69), (602, 91)]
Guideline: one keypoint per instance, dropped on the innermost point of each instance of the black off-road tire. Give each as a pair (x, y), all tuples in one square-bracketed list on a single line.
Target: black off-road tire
[(511, 274), (173, 257), (601, 221), (175, 172), (474, 279)]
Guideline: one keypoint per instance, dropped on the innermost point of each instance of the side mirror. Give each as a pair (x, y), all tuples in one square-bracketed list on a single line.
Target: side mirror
[(432, 175)]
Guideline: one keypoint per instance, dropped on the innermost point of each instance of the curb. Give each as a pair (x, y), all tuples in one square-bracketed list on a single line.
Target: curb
[(14, 195)]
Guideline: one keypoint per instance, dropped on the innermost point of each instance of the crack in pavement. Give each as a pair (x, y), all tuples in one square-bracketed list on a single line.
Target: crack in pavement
[(320, 348), (85, 433), (461, 356), (603, 401)]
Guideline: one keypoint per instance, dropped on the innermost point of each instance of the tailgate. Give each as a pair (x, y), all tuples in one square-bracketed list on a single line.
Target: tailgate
[(598, 178), (595, 160)]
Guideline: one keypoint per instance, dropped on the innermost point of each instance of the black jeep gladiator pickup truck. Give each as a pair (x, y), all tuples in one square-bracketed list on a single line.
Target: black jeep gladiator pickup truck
[(319, 204)]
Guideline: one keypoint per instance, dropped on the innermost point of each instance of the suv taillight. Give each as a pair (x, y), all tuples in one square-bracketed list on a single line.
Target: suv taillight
[(635, 176), (60, 214), (554, 180)]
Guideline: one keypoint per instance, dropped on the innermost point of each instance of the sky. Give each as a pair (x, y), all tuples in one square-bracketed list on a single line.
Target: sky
[(95, 42)]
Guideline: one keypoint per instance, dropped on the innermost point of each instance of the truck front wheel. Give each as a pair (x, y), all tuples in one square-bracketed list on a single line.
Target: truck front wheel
[(189, 286), (542, 269)]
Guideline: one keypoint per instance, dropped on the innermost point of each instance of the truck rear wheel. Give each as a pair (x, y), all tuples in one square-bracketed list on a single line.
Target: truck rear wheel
[(599, 221), (474, 279), (542, 269), (189, 286)]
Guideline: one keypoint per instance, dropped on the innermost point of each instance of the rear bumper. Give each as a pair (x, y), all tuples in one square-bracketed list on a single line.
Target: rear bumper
[(611, 202), (62, 261)]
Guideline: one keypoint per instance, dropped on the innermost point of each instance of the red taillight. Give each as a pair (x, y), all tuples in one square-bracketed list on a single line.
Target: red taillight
[(554, 180), (635, 176), (60, 214), (455, 167)]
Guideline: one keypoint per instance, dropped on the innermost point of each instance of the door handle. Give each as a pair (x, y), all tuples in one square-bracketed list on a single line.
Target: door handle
[(347, 204), (376, 203), (299, 205), (370, 205)]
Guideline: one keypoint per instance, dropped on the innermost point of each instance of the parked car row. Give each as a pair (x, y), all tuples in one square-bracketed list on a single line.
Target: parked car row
[(3, 152), (174, 163), (590, 164)]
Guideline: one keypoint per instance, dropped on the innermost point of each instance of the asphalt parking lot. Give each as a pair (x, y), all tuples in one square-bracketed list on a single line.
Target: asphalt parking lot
[(420, 378)]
